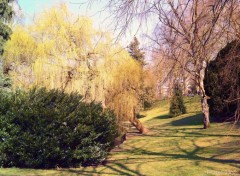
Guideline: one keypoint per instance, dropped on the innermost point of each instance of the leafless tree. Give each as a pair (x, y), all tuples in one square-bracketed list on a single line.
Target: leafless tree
[(192, 27)]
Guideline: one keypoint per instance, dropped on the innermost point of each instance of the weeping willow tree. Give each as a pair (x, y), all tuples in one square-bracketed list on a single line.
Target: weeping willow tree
[(62, 51), (124, 91)]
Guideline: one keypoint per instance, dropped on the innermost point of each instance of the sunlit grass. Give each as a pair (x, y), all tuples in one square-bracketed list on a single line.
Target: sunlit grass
[(174, 146)]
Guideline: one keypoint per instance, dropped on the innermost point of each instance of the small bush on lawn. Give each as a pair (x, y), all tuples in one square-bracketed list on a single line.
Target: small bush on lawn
[(46, 129), (177, 106)]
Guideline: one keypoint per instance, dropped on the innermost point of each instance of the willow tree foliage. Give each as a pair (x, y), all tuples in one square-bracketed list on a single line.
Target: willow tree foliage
[(137, 54), (63, 51)]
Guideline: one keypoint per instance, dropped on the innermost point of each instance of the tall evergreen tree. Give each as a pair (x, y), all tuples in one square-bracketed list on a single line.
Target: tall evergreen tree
[(136, 52), (6, 14), (146, 93)]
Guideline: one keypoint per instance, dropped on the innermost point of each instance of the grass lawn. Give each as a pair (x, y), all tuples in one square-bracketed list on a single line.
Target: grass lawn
[(174, 146)]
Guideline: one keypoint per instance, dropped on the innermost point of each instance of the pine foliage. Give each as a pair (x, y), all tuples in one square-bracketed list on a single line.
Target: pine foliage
[(136, 52), (145, 92), (6, 14), (177, 106)]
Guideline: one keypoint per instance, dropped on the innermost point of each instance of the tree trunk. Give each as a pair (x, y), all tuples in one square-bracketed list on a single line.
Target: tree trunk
[(197, 89), (204, 98), (185, 82), (205, 110), (136, 123), (185, 87)]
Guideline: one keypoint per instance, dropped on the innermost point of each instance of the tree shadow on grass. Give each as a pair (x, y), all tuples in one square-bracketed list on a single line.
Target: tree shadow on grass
[(83, 171), (139, 116), (164, 116), (186, 132), (112, 169), (123, 169), (197, 154), (188, 121), (194, 154)]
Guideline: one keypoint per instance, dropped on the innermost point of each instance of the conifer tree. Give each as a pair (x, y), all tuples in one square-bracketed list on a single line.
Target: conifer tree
[(177, 106), (146, 93), (6, 14), (222, 83), (136, 52)]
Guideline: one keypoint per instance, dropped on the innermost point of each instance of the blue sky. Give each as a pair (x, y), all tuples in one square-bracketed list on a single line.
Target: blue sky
[(32, 7)]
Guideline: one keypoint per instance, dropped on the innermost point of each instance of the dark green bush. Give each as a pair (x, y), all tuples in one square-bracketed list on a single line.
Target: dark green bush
[(222, 83), (147, 104), (177, 105), (46, 129), (5, 82)]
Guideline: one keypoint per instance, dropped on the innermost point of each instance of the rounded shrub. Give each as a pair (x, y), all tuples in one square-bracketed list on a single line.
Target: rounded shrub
[(177, 106), (47, 129)]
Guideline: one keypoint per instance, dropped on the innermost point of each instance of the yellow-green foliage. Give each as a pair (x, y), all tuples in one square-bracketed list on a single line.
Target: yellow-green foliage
[(61, 50), (123, 96)]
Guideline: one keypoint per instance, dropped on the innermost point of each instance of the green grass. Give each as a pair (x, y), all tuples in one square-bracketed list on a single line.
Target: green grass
[(174, 146)]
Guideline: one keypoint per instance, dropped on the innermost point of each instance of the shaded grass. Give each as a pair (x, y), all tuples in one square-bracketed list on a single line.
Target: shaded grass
[(174, 146), (189, 120)]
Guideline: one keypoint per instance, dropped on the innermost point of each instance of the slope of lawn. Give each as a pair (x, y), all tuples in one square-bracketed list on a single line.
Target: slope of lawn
[(174, 146)]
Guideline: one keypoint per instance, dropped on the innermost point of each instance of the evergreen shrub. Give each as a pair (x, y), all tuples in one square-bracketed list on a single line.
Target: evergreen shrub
[(47, 129), (222, 83), (177, 106)]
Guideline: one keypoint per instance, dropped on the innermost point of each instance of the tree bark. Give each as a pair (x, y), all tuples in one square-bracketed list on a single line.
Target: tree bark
[(185, 82), (136, 123), (205, 110), (204, 98), (185, 86)]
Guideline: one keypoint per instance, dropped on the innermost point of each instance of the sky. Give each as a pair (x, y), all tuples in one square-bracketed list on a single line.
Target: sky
[(81, 7)]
